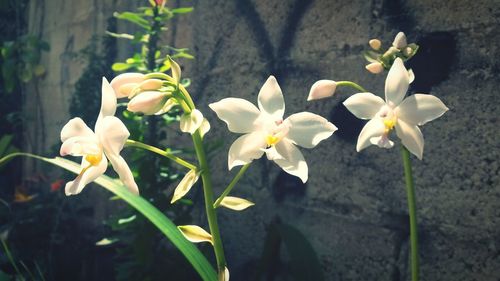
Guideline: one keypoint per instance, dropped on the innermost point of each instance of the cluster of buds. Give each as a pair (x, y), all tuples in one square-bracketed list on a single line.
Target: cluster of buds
[(158, 93), (380, 60)]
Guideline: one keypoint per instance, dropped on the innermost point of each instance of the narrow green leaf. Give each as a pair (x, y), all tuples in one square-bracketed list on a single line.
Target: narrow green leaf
[(133, 18), (4, 144), (120, 66), (182, 10), (167, 227)]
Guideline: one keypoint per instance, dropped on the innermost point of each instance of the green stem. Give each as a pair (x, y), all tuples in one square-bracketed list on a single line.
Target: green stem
[(351, 84), (413, 214), (232, 184), (9, 256), (209, 201), (156, 150)]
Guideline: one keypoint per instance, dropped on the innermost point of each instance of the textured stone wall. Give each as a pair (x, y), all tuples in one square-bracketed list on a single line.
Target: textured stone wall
[(353, 207)]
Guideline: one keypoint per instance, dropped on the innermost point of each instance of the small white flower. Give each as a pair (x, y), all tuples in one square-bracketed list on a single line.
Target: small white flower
[(265, 131), (404, 114), (97, 147)]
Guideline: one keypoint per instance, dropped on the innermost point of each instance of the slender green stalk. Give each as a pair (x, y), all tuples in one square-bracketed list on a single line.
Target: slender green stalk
[(350, 84), (156, 150), (231, 184), (209, 201), (9, 256), (413, 214)]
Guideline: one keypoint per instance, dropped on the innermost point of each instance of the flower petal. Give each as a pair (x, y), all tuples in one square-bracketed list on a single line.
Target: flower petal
[(245, 149), (195, 233), (411, 138), (125, 78), (271, 99), (364, 105), (322, 89), (108, 100), (76, 186), (171, 102), (79, 146), (419, 109), (397, 83), (190, 122), (308, 129), (374, 128), (400, 41), (122, 169), (239, 114), (148, 102), (75, 128), (235, 203), (185, 185), (204, 127), (291, 161), (112, 134)]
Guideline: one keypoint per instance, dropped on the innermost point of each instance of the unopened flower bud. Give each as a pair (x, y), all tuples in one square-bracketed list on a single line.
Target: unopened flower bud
[(127, 90), (151, 84), (375, 67), (148, 102), (322, 89), (125, 78), (407, 51), (190, 122), (400, 41), (375, 44)]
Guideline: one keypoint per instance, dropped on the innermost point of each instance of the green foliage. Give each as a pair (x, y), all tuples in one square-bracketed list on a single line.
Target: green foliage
[(20, 60), (167, 227)]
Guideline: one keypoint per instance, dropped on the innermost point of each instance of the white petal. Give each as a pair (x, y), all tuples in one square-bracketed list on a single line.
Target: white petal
[(204, 127), (226, 274), (322, 89), (185, 185), (374, 128), (411, 76), (364, 105), (189, 123), (292, 160), (375, 67), (195, 233), (400, 41), (75, 128), (122, 169), (92, 173), (108, 100), (148, 102), (397, 83), (112, 134), (239, 114), (78, 146), (151, 84), (245, 149), (271, 99), (308, 129), (125, 78), (382, 142), (420, 109), (411, 138)]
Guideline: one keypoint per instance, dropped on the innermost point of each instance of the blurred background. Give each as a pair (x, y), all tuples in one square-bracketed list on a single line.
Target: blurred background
[(349, 222)]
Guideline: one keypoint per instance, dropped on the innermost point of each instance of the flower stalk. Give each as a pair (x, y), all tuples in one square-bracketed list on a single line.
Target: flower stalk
[(161, 152), (233, 182), (351, 84), (209, 201), (413, 214)]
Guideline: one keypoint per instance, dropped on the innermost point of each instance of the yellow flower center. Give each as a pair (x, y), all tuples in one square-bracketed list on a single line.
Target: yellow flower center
[(389, 124), (272, 140), (93, 159)]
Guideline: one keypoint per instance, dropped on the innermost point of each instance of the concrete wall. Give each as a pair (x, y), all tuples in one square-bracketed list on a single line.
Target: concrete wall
[(353, 207)]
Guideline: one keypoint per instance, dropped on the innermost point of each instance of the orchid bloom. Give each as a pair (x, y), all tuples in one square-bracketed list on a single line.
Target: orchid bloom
[(97, 147), (404, 114), (265, 131)]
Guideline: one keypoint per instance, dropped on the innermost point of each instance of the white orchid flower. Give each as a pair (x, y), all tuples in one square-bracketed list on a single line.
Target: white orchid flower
[(265, 131), (404, 114), (97, 147)]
